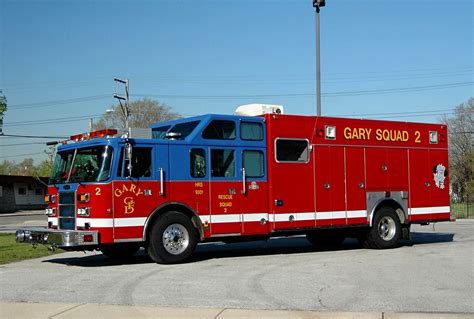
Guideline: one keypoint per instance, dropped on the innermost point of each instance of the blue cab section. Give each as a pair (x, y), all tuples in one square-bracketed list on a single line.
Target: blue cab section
[(207, 134)]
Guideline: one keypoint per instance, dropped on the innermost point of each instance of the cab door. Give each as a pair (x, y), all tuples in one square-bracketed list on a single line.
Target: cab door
[(253, 192), (135, 195), (224, 188)]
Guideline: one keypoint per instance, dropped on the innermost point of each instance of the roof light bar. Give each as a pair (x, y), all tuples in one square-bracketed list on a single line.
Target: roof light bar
[(95, 134)]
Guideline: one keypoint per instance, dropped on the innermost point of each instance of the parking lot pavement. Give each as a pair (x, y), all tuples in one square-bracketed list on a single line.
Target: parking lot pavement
[(92, 311), (432, 273), (9, 223)]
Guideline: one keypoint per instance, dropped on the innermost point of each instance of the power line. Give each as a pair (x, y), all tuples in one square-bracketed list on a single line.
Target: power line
[(28, 154), (400, 90), (21, 144), (327, 94), (57, 102), (413, 73), (400, 113), (31, 136), (58, 120)]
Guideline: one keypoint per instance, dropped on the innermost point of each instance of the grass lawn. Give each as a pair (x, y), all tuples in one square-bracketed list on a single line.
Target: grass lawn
[(462, 210), (10, 251)]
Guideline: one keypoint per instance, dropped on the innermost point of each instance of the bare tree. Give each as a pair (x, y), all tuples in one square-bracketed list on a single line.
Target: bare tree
[(142, 113), (3, 109), (461, 150)]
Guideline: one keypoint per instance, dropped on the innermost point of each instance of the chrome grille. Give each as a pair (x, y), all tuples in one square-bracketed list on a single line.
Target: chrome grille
[(67, 211)]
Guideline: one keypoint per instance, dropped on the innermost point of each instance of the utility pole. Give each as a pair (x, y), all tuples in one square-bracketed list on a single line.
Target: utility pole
[(317, 4), (125, 108)]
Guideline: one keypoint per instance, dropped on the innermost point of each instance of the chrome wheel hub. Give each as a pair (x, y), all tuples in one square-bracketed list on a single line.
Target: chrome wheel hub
[(387, 228), (175, 239)]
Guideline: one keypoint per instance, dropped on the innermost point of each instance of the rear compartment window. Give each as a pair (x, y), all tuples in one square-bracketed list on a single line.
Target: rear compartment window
[(219, 130), (184, 129), (159, 133), (292, 150)]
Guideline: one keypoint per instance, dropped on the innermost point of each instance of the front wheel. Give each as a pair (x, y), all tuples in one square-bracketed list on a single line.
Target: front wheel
[(172, 239), (386, 230)]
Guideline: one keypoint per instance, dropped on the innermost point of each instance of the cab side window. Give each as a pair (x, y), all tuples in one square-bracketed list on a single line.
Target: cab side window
[(223, 163), (141, 163), (251, 131), (253, 163), (198, 162)]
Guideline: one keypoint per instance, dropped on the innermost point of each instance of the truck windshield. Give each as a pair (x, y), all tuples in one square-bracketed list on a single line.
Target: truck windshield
[(89, 164)]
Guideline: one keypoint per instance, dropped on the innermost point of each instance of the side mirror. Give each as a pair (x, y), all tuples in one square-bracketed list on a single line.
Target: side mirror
[(173, 136)]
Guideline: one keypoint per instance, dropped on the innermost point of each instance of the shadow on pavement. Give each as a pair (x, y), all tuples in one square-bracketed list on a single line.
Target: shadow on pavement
[(418, 238), (274, 246)]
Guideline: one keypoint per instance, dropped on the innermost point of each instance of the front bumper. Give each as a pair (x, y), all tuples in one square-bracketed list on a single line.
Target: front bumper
[(58, 238)]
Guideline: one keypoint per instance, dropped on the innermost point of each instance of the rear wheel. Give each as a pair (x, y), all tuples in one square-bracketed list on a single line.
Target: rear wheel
[(172, 239), (385, 232), (120, 251)]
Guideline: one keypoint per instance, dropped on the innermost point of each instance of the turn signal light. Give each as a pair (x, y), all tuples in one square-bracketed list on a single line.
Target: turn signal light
[(83, 198), (49, 199)]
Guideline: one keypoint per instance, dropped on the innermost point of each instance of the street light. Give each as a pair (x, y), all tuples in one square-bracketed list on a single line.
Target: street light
[(317, 4)]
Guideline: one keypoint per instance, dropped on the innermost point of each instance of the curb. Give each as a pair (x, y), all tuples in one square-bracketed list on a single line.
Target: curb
[(57, 310)]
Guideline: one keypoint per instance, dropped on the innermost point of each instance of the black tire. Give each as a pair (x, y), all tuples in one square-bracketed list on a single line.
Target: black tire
[(326, 239), (385, 232), (120, 251), (172, 239)]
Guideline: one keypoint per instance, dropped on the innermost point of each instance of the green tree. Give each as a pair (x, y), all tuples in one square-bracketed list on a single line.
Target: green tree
[(461, 150), (45, 167), (7, 167), (143, 112), (25, 168)]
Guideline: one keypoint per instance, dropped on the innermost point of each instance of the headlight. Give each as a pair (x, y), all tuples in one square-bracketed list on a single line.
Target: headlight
[(50, 212), (83, 211)]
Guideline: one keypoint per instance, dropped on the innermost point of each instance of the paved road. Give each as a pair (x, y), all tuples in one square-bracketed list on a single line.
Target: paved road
[(9, 223), (431, 273)]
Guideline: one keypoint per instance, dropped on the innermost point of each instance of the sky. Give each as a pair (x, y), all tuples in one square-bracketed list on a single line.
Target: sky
[(405, 60)]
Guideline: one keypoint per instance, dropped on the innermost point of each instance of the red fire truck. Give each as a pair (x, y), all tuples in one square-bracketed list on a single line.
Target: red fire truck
[(240, 177)]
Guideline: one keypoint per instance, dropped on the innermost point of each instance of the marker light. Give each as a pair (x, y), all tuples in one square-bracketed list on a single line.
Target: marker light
[(320, 132), (77, 138)]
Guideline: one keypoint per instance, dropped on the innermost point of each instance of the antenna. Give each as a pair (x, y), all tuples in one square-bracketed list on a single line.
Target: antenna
[(125, 108)]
